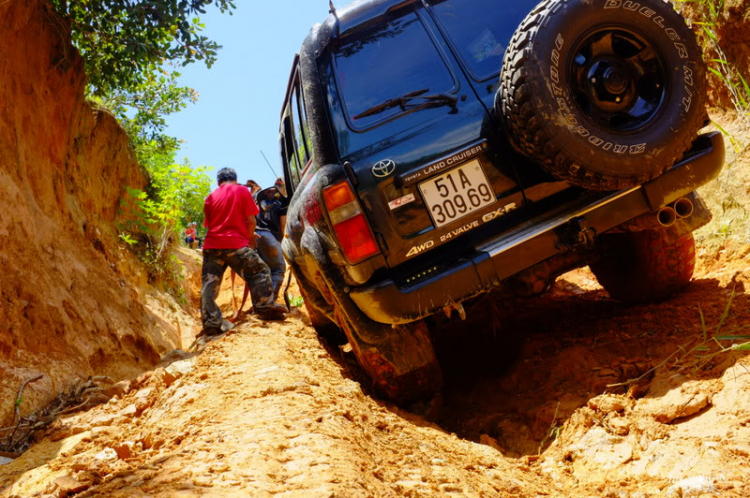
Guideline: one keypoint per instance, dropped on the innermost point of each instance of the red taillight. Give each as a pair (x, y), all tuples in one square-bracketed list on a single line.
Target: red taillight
[(349, 223)]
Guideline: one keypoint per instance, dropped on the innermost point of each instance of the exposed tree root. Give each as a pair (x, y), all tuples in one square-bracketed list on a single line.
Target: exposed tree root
[(82, 395)]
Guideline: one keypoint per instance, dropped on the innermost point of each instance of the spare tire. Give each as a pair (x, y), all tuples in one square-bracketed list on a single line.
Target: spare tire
[(605, 94)]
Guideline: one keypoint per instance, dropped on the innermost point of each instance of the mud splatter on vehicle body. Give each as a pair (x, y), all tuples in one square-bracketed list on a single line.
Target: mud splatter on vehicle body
[(429, 160)]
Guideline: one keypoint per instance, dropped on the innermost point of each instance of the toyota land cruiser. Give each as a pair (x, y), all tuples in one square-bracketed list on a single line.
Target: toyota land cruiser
[(439, 150)]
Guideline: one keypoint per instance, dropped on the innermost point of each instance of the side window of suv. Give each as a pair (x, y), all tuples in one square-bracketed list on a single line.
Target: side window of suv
[(299, 141), (301, 129), (288, 149), (305, 124), (289, 160), (295, 145)]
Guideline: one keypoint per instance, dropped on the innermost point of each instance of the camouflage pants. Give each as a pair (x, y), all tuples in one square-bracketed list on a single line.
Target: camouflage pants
[(270, 250), (247, 264)]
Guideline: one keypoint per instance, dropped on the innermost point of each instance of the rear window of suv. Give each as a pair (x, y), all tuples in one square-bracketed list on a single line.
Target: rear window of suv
[(386, 62), (480, 30)]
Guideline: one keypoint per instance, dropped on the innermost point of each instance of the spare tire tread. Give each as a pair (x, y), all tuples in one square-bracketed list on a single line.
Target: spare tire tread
[(514, 102)]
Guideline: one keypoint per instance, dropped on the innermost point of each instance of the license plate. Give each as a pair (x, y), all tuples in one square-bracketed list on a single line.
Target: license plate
[(457, 193)]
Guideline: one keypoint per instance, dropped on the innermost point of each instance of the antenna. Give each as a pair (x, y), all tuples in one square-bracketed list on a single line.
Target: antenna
[(269, 165), (333, 12)]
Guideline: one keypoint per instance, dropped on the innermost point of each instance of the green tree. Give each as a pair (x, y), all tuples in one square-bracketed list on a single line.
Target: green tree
[(153, 220), (123, 41), (132, 50), (142, 111)]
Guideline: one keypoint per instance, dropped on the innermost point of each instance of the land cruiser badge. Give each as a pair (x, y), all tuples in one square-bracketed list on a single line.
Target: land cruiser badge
[(384, 168)]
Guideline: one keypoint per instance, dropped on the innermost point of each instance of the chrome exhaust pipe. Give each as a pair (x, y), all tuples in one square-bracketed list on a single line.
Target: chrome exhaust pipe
[(683, 207), (666, 216)]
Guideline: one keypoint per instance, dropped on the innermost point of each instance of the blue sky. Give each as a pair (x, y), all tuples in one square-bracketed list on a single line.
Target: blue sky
[(237, 114)]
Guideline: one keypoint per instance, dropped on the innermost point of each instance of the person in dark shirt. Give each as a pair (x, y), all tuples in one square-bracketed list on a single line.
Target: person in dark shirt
[(270, 229), (231, 241)]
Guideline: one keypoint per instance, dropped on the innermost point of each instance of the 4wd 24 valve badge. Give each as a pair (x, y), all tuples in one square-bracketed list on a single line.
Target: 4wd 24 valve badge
[(492, 215), (420, 248)]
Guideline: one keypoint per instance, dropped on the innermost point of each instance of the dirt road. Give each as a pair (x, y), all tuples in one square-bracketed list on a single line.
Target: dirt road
[(263, 411), (531, 407), (268, 410)]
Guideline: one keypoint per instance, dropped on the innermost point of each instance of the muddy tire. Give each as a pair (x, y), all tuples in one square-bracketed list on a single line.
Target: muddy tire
[(600, 94), (403, 368), (324, 326), (316, 306), (644, 266)]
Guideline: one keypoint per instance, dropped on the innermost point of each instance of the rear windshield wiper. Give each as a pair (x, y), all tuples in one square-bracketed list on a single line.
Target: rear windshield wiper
[(425, 101)]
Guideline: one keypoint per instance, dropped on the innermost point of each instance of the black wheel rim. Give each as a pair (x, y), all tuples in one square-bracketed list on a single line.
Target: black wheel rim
[(618, 79)]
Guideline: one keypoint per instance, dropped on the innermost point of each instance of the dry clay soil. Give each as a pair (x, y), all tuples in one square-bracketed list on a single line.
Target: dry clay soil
[(529, 408)]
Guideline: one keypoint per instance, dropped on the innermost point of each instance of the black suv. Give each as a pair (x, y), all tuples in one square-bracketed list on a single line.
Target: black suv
[(439, 150)]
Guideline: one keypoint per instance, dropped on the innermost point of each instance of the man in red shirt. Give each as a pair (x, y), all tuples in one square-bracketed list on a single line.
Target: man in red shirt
[(230, 218)]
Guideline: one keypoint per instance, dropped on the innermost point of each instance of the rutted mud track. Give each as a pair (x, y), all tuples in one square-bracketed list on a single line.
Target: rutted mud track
[(567, 348), (529, 408), (268, 410)]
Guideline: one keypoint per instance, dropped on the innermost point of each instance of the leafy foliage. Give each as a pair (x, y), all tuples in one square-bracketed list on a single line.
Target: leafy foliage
[(152, 220), (707, 15), (142, 109), (122, 41), (131, 49)]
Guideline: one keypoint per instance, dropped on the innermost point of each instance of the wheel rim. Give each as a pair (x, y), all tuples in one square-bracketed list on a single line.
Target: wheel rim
[(618, 79)]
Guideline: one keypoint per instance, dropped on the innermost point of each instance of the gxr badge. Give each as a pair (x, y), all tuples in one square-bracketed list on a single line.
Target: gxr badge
[(384, 168)]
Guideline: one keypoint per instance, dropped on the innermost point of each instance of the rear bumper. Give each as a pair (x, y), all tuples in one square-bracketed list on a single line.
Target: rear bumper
[(535, 241)]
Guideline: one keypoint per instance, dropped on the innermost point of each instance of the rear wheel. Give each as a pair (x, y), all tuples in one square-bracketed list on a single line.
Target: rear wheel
[(403, 367), (644, 266), (604, 94)]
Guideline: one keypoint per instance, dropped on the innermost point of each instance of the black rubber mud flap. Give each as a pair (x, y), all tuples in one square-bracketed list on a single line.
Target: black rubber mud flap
[(404, 367), (605, 94), (644, 266)]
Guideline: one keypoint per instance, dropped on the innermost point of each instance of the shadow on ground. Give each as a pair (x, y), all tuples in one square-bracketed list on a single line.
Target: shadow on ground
[(516, 370)]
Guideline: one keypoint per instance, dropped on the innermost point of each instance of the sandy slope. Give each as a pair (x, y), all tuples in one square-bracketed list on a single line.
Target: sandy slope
[(263, 411), (529, 408)]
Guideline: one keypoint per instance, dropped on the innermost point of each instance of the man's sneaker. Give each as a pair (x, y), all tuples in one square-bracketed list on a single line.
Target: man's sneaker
[(272, 314)]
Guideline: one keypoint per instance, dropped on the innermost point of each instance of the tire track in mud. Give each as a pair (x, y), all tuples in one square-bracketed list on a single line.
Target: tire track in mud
[(262, 411), (527, 410), (270, 410)]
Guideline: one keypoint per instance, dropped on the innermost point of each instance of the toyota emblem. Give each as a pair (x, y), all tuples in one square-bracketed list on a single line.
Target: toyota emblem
[(384, 168)]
